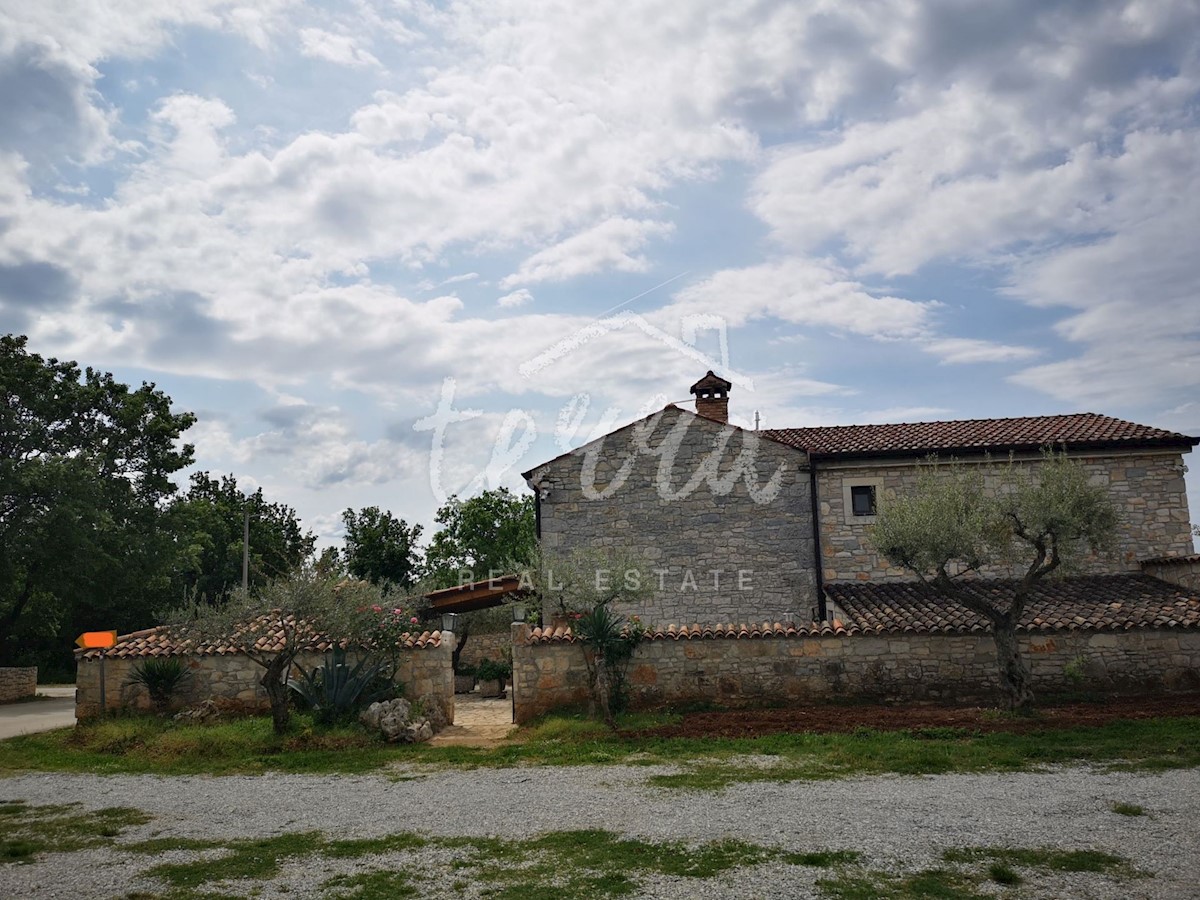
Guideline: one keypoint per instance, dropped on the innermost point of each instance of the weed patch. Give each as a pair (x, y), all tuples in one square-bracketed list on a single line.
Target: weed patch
[(32, 830), (380, 885), (1046, 859), (258, 860), (1128, 809), (143, 744)]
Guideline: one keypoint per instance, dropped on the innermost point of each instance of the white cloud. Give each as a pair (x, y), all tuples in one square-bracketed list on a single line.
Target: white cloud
[(336, 48), (613, 244), (516, 298), (804, 292), (971, 350)]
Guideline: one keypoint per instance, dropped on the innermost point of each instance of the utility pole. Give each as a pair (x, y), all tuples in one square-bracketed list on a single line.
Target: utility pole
[(246, 552)]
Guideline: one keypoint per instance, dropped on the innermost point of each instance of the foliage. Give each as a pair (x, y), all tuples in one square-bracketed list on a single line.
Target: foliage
[(491, 533), (335, 690), (85, 471), (294, 612), (1041, 520), (210, 522), (493, 670), (381, 548), (587, 588), (162, 677)]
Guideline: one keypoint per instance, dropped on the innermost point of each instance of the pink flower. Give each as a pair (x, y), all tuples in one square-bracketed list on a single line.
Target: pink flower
[(377, 608), (397, 612), (413, 620)]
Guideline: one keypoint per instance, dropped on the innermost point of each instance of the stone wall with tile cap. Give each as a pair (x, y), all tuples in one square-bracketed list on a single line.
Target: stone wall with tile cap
[(819, 665), (232, 680), (16, 683)]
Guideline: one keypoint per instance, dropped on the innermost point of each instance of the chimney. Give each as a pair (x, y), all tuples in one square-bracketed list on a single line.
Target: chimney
[(712, 397)]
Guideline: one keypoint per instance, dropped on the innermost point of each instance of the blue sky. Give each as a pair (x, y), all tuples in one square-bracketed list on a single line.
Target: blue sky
[(311, 224)]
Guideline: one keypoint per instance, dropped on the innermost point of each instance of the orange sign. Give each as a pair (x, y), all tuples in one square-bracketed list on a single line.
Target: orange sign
[(96, 640)]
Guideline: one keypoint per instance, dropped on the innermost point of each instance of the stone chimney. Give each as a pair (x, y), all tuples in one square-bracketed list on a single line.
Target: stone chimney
[(712, 397)]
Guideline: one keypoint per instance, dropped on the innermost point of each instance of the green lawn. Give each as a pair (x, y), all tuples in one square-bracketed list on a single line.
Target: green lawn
[(149, 745)]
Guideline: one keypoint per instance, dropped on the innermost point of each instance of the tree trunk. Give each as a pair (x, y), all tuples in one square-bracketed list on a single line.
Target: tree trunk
[(602, 691), (1014, 672), (456, 656), (274, 680)]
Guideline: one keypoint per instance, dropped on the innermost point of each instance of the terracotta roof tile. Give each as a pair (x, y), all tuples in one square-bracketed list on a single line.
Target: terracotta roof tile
[(1089, 430), (1091, 603), (161, 641)]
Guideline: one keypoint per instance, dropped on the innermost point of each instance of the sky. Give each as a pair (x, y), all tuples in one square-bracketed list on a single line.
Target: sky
[(391, 251)]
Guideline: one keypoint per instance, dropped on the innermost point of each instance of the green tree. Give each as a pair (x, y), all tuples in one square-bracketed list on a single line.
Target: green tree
[(291, 613), (1042, 520), (85, 472), (381, 548), (210, 520), (492, 532)]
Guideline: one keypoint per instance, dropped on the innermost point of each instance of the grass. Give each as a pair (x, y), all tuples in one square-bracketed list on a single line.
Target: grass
[(591, 864), (1046, 859), (254, 859), (28, 831), (1128, 809), (966, 872), (144, 744)]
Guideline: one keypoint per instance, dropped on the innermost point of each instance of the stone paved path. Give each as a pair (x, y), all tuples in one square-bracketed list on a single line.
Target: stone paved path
[(477, 722)]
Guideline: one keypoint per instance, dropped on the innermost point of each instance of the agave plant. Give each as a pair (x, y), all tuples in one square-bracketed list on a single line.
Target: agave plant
[(162, 677), (335, 689)]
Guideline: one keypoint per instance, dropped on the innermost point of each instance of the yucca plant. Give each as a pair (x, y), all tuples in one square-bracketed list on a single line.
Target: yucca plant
[(336, 689), (162, 677)]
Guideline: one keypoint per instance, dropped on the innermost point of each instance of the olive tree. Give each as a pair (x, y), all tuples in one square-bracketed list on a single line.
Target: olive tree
[(275, 624), (1037, 520)]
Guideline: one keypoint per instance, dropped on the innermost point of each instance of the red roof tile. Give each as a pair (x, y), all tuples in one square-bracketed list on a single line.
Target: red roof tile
[(1090, 603), (1080, 430), (161, 642)]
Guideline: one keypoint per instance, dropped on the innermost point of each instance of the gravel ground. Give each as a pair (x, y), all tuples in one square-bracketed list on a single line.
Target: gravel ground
[(894, 821)]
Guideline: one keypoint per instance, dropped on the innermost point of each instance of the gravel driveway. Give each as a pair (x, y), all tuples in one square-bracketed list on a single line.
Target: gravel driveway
[(894, 821)]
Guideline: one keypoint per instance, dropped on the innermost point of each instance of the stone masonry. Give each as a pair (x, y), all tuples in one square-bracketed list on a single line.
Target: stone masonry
[(754, 671), (17, 683), (233, 681), (1147, 487), (694, 501)]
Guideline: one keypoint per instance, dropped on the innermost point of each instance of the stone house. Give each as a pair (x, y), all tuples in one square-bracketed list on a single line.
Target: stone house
[(738, 525)]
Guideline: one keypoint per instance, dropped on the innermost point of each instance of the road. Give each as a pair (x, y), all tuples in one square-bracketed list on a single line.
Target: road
[(39, 715)]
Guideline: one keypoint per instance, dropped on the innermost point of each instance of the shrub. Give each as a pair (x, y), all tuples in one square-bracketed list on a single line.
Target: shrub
[(162, 677), (336, 690), (493, 670)]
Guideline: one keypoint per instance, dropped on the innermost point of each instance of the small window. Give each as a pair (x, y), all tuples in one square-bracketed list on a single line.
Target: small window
[(862, 499)]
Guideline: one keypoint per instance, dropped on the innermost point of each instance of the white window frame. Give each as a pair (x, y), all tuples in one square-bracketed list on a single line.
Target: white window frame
[(848, 501)]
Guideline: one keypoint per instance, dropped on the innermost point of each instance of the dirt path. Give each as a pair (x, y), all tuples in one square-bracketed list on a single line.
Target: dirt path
[(477, 723)]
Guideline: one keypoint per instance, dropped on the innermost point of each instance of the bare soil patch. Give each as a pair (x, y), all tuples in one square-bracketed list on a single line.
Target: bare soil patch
[(836, 718)]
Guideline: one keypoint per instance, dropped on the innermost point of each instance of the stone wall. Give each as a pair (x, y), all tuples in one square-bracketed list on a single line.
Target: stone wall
[(692, 499), (233, 682), (1148, 489), (17, 683), (1183, 572), (495, 646), (754, 671)]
